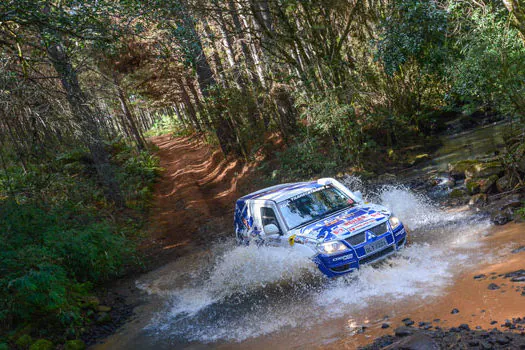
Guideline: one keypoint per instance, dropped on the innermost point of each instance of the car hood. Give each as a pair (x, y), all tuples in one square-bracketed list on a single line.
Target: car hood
[(345, 224)]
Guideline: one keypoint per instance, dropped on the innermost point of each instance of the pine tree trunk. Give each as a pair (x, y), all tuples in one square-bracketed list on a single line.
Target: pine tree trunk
[(87, 120), (141, 145), (189, 106)]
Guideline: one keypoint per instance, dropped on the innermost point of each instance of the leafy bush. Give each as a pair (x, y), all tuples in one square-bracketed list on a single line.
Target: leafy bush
[(60, 237), (491, 69), (165, 124), (47, 255), (304, 159)]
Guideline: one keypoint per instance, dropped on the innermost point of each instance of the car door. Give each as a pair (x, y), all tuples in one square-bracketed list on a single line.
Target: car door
[(267, 215)]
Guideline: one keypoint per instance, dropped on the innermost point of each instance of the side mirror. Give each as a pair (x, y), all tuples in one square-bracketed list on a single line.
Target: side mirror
[(271, 229), (358, 196)]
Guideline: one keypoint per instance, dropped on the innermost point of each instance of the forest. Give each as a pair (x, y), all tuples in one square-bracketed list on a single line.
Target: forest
[(353, 84)]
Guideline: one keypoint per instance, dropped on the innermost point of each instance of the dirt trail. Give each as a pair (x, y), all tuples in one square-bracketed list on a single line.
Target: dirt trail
[(194, 198)]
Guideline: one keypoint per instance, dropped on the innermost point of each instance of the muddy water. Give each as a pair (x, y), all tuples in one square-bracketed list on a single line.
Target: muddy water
[(239, 297)]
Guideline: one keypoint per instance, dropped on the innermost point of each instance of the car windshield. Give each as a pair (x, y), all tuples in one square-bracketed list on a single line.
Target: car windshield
[(313, 205)]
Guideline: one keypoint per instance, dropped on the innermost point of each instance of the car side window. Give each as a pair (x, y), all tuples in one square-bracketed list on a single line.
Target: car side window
[(268, 217)]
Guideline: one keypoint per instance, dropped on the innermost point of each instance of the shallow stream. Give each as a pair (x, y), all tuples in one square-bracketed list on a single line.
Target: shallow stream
[(228, 296)]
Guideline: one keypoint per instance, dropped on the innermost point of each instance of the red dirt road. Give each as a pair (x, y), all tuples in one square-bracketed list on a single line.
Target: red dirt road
[(195, 197)]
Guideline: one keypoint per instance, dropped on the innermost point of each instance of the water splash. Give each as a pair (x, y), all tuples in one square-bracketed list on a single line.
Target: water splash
[(242, 292)]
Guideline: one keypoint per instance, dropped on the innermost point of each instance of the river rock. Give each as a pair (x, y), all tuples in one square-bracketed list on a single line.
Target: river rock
[(485, 185), (403, 331), (493, 286), (418, 341), (386, 178), (501, 217), (484, 170), (457, 193), (457, 169), (408, 322), (419, 159), (506, 183), (478, 200), (473, 186), (518, 250)]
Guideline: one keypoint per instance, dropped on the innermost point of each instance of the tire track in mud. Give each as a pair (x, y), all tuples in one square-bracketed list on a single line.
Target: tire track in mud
[(193, 201)]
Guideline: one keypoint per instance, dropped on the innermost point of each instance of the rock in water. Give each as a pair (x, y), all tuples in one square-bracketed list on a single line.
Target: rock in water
[(493, 286), (473, 186), (506, 183), (484, 170), (518, 250), (418, 341), (501, 217), (487, 184), (478, 200), (457, 169), (403, 331)]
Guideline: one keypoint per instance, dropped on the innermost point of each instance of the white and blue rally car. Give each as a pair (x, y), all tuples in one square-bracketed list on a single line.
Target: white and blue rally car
[(323, 220)]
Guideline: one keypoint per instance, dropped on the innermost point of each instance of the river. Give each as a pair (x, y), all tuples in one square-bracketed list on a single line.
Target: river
[(248, 297)]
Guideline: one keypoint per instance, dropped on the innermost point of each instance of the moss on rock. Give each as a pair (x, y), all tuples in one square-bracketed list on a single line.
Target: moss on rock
[(484, 170), (457, 169), (485, 185), (473, 186), (457, 193)]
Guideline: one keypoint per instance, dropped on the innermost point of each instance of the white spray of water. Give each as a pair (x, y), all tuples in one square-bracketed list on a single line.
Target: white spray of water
[(419, 270), (251, 291), (240, 271)]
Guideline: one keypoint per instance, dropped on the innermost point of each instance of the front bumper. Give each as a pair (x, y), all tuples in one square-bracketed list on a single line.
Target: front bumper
[(356, 256)]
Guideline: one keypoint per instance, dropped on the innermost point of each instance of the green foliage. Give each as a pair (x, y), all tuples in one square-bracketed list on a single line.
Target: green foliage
[(137, 173), (328, 119), (59, 235), (47, 254), (42, 344), (303, 160), (413, 30), (491, 69), (521, 211), (24, 341), (74, 345), (165, 124)]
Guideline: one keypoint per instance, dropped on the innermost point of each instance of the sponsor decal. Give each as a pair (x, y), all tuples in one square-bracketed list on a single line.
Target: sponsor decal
[(300, 195), (344, 257), (400, 232), (338, 230), (291, 240)]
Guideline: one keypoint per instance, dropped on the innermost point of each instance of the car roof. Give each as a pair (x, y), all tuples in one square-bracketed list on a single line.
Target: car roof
[(281, 192)]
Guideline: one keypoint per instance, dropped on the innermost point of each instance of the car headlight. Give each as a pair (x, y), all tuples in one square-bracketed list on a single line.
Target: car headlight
[(332, 247), (394, 221)]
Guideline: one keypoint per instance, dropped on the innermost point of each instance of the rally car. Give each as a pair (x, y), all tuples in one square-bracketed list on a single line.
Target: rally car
[(323, 220)]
